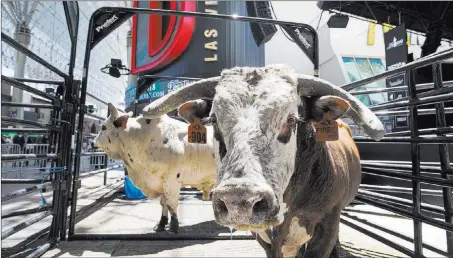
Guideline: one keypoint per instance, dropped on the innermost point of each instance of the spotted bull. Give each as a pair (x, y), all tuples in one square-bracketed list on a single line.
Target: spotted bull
[(158, 157), (273, 177)]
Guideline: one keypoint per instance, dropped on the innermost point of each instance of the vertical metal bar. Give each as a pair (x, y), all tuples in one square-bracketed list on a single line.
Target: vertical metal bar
[(415, 154), (83, 93), (69, 115), (56, 178), (106, 158), (444, 157)]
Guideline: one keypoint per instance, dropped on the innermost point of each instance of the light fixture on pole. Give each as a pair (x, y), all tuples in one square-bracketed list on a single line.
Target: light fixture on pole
[(114, 68)]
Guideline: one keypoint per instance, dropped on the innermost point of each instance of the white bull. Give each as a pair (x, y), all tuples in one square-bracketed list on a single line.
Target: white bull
[(159, 158)]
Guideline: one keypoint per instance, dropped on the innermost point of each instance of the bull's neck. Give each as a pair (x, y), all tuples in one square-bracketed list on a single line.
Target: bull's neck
[(310, 155)]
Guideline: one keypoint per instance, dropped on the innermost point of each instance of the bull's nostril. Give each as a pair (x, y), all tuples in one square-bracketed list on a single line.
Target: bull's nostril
[(221, 207), (260, 207)]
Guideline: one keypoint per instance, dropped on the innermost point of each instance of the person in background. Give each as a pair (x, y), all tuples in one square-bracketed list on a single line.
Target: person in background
[(45, 139)]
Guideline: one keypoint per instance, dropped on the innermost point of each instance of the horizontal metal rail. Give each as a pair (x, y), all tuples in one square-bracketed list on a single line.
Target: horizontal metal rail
[(407, 139), (424, 206), (27, 211), (421, 112), (433, 99), (95, 172), (84, 154), (405, 213), (6, 119), (401, 101), (378, 237), (422, 62), (16, 104), (30, 130), (92, 116), (42, 249), (389, 231), (89, 193), (396, 189), (10, 41), (432, 169), (27, 88), (406, 176), (38, 81), (162, 237), (20, 192), (100, 100), (423, 163), (10, 231), (444, 130), (422, 86), (19, 157), (23, 181)]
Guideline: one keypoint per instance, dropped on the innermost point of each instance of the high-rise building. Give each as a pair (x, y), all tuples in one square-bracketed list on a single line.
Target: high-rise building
[(50, 40)]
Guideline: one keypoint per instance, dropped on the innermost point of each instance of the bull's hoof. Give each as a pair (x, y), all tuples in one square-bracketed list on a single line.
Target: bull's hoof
[(174, 226), (161, 225), (205, 197)]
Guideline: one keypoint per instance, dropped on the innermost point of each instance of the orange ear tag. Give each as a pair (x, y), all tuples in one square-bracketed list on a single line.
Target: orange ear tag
[(196, 132), (326, 129)]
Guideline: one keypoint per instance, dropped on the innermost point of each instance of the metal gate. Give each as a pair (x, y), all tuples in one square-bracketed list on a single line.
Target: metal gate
[(57, 175)]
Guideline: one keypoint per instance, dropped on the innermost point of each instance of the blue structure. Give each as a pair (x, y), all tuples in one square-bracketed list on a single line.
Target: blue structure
[(131, 191)]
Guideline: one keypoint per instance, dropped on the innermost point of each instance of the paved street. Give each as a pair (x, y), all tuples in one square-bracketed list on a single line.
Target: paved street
[(196, 218), (119, 216)]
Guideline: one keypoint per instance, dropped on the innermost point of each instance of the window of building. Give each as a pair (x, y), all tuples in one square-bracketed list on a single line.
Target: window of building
[(361, 68)]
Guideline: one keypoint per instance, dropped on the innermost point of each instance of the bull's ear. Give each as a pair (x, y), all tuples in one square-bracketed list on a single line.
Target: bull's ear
[(121, 121), (194, 109), (333, 104)]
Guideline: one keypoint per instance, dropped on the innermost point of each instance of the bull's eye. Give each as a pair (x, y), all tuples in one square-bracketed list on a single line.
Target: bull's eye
[(291, 121), (104, 128)]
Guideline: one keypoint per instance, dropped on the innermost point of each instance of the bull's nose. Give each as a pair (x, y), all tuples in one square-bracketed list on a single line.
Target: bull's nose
[(244, 205)]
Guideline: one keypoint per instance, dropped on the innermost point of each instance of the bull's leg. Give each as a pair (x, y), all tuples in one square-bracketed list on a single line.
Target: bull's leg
[(263, 243), (172, 190), (325, 237), (206, 188), (164, 218)]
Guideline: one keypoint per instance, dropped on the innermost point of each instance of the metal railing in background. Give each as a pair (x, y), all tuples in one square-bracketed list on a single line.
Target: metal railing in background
[(430, 173), (55, 175)]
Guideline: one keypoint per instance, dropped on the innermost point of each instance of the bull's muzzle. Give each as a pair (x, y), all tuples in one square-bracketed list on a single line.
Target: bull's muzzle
[(245, 207)]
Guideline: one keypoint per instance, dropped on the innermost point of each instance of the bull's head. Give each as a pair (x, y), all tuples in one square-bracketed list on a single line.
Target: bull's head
[(108, 138), (256, 114)]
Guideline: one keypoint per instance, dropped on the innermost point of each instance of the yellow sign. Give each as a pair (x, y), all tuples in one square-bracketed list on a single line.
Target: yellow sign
[(371, 33)]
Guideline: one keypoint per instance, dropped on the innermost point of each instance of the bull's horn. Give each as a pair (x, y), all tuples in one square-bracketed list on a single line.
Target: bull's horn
[(198, 90), (359, 113), (113, 110)]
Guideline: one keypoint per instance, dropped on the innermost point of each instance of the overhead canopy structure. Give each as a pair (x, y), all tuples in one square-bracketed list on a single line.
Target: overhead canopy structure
[(433, 18)]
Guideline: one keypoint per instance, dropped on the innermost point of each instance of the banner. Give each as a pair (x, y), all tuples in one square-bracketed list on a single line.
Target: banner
[(396, 56), (395, 41), (304, 38)]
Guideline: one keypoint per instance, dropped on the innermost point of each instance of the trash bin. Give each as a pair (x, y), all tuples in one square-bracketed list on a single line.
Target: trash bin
[(131, 191)]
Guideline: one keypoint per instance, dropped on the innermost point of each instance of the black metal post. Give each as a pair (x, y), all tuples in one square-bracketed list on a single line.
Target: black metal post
[(415, 154), (82, 112), (106, 157), (444, 156)]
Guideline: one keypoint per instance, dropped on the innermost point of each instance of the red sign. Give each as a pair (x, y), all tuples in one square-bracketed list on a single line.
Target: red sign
[(168, 36)]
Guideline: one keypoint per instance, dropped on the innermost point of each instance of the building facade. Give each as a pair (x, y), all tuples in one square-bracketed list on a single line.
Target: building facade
[(50, 40)]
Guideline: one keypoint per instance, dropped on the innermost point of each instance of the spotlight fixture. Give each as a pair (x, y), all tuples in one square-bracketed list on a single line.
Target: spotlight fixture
[(338, 21), (49, 90), (114, 68)]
